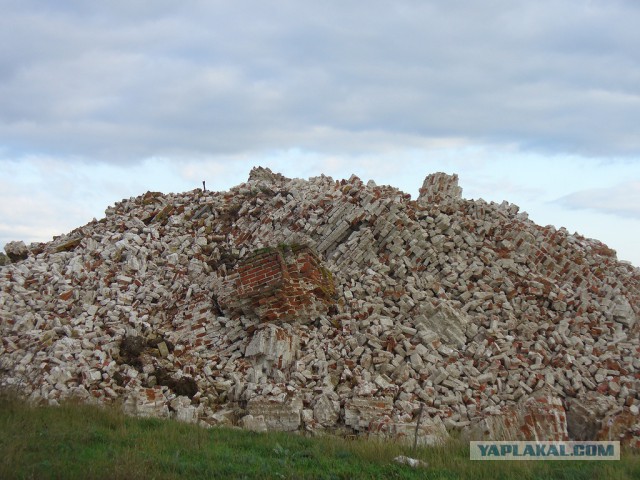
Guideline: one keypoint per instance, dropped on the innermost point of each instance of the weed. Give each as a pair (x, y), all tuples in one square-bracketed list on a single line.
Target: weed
[(78, 441)]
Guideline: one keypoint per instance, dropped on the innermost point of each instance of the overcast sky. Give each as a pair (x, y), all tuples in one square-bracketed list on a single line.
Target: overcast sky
[(534, 102)]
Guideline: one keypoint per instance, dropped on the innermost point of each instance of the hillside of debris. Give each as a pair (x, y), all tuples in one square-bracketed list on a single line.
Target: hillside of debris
[(330, 306)]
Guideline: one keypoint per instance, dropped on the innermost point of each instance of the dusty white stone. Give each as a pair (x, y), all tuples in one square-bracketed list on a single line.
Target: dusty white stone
[(447, 322), (253, 423), (623, 312), (184, 411), (279, 413), (412, 462), (326, 410), (16, 250), (361, 411)]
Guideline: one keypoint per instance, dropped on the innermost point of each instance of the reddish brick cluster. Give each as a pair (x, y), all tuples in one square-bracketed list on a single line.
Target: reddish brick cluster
[(262, 273), (544, 418), (280, 284), (540, 417)]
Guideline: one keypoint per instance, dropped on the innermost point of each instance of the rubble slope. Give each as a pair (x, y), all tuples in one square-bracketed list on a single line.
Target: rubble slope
[(338, 306)]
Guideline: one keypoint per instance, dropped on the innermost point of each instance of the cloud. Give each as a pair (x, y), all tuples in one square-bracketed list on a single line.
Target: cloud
[(44, 196), (118, 82), (622, 200)]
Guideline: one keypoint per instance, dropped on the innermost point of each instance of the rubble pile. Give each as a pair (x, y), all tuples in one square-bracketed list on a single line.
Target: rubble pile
[(330, 306)]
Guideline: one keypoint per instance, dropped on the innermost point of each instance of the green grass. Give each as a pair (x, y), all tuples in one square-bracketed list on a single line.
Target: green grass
[(80, 441)]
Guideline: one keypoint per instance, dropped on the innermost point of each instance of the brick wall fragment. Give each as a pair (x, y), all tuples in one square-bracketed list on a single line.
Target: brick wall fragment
[(284, 283)]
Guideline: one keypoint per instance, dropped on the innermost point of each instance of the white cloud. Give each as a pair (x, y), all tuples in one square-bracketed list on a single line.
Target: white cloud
[(622, 200), (123, 82), (44, 196)]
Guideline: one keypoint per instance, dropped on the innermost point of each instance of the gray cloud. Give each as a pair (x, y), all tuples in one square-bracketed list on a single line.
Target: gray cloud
[(622, 200), (117, 81)]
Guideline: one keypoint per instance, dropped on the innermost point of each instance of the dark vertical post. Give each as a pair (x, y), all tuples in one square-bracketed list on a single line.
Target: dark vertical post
[(415, 437)]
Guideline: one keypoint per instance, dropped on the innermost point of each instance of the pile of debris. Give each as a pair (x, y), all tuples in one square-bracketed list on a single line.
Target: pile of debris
[(330, 306)]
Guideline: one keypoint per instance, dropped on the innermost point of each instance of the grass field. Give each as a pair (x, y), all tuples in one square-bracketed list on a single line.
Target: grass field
[(86, 442)]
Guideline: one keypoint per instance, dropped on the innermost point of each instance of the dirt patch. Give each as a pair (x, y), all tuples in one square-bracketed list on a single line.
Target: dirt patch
[(183, 386), (130, 349)]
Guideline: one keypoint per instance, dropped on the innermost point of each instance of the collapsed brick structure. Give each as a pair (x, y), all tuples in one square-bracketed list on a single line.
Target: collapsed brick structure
[(397, 316), (279, 284), (439, 188)]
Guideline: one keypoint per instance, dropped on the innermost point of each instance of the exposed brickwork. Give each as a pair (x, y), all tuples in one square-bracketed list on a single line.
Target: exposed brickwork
[(540, 417), (286, 283), (261, 274), (439, 188)]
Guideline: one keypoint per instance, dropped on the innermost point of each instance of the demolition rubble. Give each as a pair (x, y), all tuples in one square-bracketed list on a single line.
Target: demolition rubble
[(327, 306)]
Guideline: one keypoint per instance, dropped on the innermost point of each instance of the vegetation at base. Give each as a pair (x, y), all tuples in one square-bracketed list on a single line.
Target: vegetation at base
[(89, 442)]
